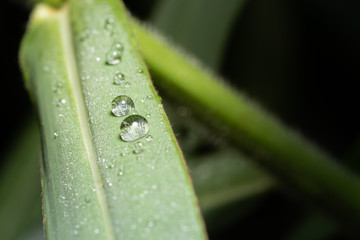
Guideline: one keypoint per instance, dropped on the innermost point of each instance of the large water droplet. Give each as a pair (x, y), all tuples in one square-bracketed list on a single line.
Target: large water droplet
[(113, 57), (119, 78), (133, 128), (122, 105)]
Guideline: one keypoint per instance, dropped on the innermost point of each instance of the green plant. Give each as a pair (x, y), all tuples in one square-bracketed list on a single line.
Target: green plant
[(91, 177)]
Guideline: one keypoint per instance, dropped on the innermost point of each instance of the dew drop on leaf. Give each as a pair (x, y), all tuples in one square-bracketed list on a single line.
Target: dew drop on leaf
[(139, 148), (127, 84), (140, 70), (109, 25), (122, 105), (56, 134), (149, 138), (113, 57), (133, 128), (119, 78)]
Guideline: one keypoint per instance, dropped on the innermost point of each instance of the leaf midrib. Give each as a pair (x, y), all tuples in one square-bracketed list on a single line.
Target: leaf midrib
[(76, 93)]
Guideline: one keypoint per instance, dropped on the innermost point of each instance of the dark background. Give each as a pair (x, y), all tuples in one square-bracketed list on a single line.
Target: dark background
[(299, 59)]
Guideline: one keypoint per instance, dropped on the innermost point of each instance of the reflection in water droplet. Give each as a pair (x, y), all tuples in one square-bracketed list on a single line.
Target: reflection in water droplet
[(113, 57), (133, 128), (122, 105), (119, 78)]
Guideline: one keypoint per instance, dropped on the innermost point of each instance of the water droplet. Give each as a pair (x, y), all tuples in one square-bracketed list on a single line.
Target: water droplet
[(151, 224), (96, 231), (56, 134), (87, 199), (127, 84), (121, 173), (122, 105), (84, 35), (60, 102), (109, 25), (98, 59), (140, 70), (119, 78), (149, 138), (139, 148), (148, 115), (113, 57), (133, 127), (75, 232)]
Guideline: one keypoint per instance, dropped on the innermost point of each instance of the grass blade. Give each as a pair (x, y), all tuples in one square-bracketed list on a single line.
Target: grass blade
[(95, 185)]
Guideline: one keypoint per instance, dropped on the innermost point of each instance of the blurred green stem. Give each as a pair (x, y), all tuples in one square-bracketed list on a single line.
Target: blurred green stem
[(20, 184), (286, 154)]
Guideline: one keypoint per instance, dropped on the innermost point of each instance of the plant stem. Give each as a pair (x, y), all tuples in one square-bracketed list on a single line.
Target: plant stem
[(289, 157)]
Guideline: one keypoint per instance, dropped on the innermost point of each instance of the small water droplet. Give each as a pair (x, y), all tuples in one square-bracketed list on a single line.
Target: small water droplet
[(46, 68), (87, 199), (113, 57), (121, 173), (60, 102), (111, 166), (149, 138), (122, 105), (148, 115), (109, 25), (56, 134), (127, 84), (139, 148), (119, 78), (75, 232), (84, 35), (139, 70), (98, 59), (133, 127), (96, 231)]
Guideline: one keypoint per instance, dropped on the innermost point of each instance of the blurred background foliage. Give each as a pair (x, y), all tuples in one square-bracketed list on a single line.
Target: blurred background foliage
[(299, 59)]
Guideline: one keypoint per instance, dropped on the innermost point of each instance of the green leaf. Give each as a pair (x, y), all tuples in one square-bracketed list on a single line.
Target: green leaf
[(289, 156), (95, 185)]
